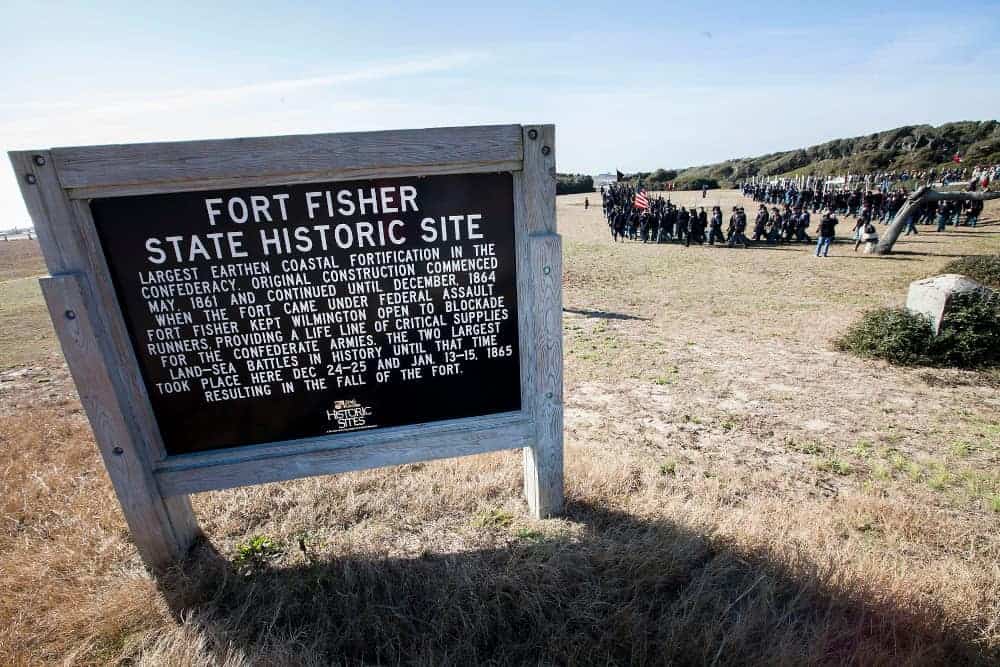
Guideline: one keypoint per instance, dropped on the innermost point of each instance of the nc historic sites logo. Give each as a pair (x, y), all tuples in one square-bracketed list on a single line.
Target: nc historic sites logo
[(349, 415)]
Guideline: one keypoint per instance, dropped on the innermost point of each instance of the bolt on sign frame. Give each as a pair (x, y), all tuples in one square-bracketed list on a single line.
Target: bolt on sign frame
[(153, 487)]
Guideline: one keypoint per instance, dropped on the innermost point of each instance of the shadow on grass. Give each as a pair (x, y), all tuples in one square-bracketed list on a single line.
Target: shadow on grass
[(603, 314), (760, 245), (969, 230), (620, 591), (920, 238), (923, 254), (781, 246), (861, 255)]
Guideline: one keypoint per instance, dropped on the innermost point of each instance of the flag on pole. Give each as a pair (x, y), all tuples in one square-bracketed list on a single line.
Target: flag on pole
[(640, 200), (619, 176), (956, 158)]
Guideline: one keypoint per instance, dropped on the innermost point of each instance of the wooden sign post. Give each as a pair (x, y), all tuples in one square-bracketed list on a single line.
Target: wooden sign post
[(243, 311)]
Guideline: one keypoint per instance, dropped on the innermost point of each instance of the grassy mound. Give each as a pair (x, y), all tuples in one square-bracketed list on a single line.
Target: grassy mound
[(969, 337), (984, 269)]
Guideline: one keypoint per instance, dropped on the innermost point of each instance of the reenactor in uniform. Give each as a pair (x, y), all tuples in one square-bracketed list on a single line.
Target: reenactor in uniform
[(802, 225), (731, 228), (701, 226), (787, 225), (760, 224), (681, 226), (618, 228), (739, 223), (715, 227), (774, 230), (669, 226)]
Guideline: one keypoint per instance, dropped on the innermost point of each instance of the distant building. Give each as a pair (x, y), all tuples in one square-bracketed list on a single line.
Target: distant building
[(17, 233), (604, 179)]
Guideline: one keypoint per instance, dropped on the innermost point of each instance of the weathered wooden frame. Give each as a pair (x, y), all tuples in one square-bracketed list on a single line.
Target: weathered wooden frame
[(57, 185)]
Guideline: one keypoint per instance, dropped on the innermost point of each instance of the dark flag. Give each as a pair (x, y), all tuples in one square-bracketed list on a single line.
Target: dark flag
[(621, 176)]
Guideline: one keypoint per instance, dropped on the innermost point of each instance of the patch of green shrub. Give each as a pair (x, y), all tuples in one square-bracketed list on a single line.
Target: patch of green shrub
[(984, 269), (257, 553), (969, 336), (893, 334)]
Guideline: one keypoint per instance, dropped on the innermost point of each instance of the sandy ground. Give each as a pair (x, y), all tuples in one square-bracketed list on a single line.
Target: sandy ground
[(725, 355)]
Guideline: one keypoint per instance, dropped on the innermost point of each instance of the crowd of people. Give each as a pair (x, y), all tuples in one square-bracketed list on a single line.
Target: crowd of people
[(633, 215), (975, 178), (785, 210), (869, 205)]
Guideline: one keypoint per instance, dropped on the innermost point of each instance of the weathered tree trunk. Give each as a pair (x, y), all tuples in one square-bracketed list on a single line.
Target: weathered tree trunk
[(913, 203)]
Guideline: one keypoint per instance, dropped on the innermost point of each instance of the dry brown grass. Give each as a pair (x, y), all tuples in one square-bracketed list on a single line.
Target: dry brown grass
[(25, 332), (738, 493)]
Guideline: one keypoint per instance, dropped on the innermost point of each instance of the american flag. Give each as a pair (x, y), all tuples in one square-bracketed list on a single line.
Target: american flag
[(640, 200), (956, 158)]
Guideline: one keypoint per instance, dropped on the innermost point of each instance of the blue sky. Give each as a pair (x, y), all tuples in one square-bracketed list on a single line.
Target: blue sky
[(629, 85)]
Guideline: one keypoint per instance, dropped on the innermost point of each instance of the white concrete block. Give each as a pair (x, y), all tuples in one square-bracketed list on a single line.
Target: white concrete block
[(933, 296)]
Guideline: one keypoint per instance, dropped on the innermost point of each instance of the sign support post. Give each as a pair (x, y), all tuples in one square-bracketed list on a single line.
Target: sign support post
[(99, 214), (543, 461), (163, 528)]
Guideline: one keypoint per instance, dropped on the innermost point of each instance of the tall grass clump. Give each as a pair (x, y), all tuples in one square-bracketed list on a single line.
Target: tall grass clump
[(984, 269)]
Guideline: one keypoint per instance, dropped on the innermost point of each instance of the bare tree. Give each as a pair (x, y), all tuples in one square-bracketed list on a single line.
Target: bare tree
[(913, 203)]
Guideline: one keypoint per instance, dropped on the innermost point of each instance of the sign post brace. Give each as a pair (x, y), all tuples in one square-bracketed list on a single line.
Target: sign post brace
[(543, 460)]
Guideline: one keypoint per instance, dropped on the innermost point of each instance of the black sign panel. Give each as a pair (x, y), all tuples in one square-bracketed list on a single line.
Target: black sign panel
[(276, 313)]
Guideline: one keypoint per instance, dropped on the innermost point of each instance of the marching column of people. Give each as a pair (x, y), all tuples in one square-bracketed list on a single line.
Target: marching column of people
[(633, 215)]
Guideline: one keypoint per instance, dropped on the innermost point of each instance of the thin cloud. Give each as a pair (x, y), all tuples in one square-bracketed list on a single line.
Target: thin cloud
[(181, 99)]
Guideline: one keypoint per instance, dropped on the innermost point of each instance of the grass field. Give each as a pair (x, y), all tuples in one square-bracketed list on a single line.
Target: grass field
[(738, 492)]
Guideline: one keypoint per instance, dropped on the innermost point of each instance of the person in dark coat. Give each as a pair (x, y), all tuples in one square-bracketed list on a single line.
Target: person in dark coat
[(827, 232)]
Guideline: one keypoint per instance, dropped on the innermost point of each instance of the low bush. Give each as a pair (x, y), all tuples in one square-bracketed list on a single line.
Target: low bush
[(662, 175), (984, 269), (969, 336), (696, 183), (568, 184), (893, 334)]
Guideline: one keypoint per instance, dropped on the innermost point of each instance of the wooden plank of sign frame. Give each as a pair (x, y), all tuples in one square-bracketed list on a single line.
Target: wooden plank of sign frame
[(163, 528), (183, 165), (368, 449), (543, 461)]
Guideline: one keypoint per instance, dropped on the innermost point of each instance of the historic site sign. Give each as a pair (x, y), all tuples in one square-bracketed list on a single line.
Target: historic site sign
[(243, 311), (280, 313)]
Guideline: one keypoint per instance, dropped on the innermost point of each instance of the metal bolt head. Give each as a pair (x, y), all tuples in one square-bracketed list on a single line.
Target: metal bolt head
[(532, 134), (118, 451), (546, 150), (548, 395), (546, 270), (70, 314), (30, 178), (40, 160)]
